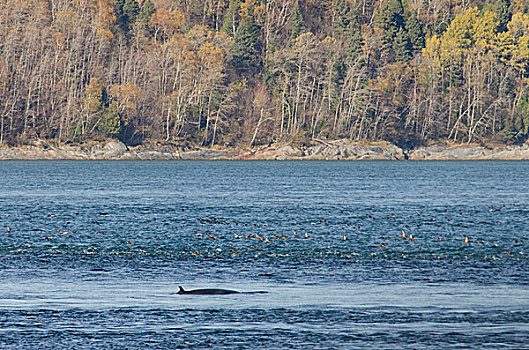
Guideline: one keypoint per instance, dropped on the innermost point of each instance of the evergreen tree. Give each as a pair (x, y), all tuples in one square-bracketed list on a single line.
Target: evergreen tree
[(347, 29), (110, 123), (415, 32), (401, 46), (231, 18), (126, 13), (390, 16), (295, 23), (144, 16), (389, 19), (247, 47)]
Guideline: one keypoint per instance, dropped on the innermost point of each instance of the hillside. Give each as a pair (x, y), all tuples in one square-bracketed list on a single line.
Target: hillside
[(252, 73)]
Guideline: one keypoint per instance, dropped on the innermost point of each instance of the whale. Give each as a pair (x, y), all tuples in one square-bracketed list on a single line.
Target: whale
[(206, 291)]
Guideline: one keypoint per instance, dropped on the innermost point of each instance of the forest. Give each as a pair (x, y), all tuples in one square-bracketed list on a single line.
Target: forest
[(247, 73)]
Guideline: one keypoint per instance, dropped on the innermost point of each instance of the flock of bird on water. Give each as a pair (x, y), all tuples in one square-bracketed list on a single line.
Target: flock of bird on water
[(256, 239)]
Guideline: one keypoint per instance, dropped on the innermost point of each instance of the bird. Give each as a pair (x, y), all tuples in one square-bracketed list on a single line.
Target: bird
[(254, 246), (466, 240), (345, 238), (306, 236), (235, 251), (199, 235), (410, 238), (439, 239), (383, 246), (128, 242), (195, 253), (237, 236), (9, 229), (294, 233), (403, 235), (209, 235), (384, 238)]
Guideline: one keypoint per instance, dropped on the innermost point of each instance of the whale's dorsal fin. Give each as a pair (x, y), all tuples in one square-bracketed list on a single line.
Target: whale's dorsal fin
[(181, 290)]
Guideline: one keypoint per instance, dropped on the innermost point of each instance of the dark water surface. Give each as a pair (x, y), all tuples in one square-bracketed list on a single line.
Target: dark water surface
[(96, 249)]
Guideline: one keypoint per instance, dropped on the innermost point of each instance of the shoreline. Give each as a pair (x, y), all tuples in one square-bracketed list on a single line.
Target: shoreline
[(321, 150)]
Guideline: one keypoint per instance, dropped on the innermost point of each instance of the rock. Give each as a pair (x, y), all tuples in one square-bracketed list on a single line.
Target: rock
[(346, 149), (510, 153), (112, 149), (448, 152), (338, 149), (206, 154), (442, 151), (288, 152)]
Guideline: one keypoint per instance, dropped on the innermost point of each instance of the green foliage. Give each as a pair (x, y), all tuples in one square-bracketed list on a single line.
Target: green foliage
[(110, 123), (126, 13), (415, 31), (231, 18), (401, 46), (521, 118), (347, 29), (389, 21), (144, 16), (390, 16), (295, 23), (247, 47)]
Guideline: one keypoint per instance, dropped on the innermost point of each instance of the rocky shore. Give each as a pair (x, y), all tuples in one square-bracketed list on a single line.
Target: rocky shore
[(320, 150)]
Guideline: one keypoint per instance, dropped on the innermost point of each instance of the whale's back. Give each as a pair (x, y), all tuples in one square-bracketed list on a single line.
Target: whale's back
[(206, 291)]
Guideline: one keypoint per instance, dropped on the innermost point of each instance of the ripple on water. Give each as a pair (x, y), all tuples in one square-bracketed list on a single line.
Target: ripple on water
[(91, 261)]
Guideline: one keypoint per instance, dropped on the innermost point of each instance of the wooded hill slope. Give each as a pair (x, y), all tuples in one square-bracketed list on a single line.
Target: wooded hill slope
[(243, 73)]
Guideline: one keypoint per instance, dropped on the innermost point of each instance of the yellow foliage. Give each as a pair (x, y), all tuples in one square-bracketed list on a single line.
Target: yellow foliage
[(504, 46), (519, 25), (127, 95), (210, 54), (484, 30), (470, 32), (432, 49), (252, 8), (521, 53), (305, 41), (94, 95), (170, 22), (179, 47), (106, 19)]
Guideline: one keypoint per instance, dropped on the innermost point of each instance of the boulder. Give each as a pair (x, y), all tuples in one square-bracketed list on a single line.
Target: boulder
[(346, 149), (111, 150)]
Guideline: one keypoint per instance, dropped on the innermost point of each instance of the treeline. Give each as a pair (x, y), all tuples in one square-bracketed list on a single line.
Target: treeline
[(253, 72)]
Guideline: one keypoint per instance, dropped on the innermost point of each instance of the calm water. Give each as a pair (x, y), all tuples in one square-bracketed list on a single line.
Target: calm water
[(96, 249)]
